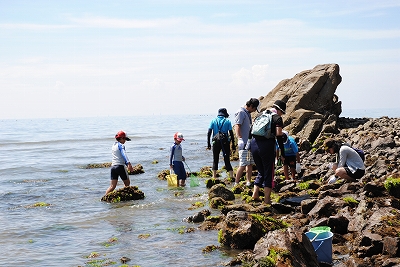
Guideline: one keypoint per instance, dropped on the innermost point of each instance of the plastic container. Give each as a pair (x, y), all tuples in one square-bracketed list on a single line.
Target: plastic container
[(320, 229), (322, 243), (172, 179)]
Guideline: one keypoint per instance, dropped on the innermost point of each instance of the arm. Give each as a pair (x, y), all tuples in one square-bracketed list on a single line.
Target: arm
[(123, 153), (237, 131), (171, 156), (279, 138), (125, 157), (241, 144), (232, 139), (209, 138)]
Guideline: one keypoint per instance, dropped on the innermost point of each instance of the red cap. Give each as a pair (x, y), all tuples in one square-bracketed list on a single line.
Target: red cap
[(179, 136), (122, 134)]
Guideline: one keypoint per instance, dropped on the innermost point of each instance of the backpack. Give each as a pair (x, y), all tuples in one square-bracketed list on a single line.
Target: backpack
[(220, 136), (360, 152), (262, 125)]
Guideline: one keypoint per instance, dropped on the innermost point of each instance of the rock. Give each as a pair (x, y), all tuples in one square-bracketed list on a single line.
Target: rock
[(310, 99), (364, 215), (219, 190), (198, 217), (124, 194), (294, 243)]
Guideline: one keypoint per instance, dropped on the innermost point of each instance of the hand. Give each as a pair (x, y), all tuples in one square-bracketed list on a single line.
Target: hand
[(130, 168), (247, 147), (298, 167), (240, 144)]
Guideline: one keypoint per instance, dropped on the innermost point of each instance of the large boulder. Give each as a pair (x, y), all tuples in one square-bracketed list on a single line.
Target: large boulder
[(310, 99)]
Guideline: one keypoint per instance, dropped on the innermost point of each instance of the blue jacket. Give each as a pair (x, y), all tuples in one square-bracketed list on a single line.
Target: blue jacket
[(291, 148)]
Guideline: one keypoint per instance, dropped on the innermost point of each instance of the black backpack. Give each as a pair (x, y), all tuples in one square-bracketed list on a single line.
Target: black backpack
[(220, 136)]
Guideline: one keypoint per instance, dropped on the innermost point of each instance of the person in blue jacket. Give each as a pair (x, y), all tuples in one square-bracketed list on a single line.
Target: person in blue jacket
[(119, 162), (176, 159), (292, 157), (221, 124)]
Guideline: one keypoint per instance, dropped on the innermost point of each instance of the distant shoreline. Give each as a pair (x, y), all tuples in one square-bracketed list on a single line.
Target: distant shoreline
[(371, 113)]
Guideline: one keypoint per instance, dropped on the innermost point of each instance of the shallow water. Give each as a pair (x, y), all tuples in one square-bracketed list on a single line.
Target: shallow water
[(43, 160)]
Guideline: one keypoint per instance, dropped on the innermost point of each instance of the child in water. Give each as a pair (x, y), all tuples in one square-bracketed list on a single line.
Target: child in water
[(119, 162), (176, 159)]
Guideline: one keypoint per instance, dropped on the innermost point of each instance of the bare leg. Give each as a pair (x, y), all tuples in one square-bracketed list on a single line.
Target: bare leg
[(256, 194), (341, 172), (113, 184), (127, 182), (267, 195), (249, 170), (214, 173), (286, 171), (231, 174), (293, 173), (239, 173)]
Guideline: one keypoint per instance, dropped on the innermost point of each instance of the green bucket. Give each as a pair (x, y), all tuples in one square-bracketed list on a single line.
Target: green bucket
[(320, 229)]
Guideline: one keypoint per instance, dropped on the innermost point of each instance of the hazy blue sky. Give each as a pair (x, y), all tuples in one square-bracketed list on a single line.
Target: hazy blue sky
[(107, 58)]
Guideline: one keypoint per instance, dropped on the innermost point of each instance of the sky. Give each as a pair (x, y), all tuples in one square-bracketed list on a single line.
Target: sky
[(96, 58)]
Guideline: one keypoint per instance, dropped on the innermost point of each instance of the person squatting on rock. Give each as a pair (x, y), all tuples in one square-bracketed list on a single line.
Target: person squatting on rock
[(263, 150), (119, 161), (221, 124), (242, 129), (176, 159), (292, 156), (348, 165)]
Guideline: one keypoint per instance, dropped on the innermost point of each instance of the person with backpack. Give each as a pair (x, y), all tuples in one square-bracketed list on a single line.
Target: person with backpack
[(349, 166), (262, 147), (219, 128)]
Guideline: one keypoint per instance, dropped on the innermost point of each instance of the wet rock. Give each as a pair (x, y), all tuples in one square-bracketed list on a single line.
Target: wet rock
[(124, 194), (219, 190), (297, 246), (198, 217)]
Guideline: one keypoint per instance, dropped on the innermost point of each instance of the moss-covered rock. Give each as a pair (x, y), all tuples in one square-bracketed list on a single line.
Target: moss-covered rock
[(124, 194)]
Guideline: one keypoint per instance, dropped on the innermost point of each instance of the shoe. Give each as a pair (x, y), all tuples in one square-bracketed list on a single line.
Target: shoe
[(332, 180), (248, 183)]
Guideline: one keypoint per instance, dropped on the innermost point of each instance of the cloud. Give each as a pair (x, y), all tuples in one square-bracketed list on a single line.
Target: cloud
[(104, 22), (155, 83), (254, 77)]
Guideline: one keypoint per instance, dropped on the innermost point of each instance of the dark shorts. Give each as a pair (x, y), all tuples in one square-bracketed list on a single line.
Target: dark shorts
[(179, 170), (290, 161), (119, 171), (357, 175)]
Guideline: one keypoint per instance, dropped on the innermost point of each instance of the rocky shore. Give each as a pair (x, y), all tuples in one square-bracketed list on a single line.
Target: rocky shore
[(363, 216)]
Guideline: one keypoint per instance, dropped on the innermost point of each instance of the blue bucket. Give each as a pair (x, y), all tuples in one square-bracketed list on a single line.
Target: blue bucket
[(322, 243)]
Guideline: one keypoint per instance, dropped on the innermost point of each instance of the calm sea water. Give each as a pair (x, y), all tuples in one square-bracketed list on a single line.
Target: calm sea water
[(43, 160)]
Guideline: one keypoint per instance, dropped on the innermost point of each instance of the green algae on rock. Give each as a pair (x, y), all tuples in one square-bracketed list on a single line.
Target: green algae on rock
[(123, 194)]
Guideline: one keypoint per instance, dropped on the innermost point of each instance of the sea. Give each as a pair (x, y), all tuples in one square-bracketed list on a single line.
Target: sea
[(50, 203)]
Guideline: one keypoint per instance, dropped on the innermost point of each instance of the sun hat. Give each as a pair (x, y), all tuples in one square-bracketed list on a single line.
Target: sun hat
[(223, 112), (279, 104), (122, 134), (179, 136)]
